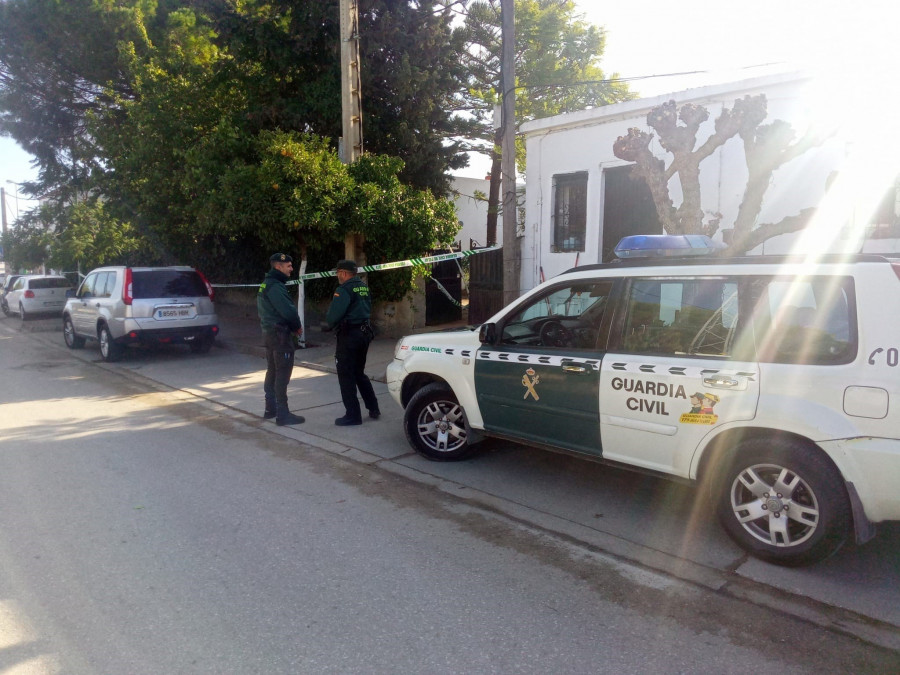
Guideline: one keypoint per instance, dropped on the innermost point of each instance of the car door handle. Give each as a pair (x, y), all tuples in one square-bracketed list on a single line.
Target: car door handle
[(720, 381), (570, 368)]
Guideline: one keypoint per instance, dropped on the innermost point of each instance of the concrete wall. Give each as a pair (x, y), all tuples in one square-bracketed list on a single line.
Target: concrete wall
[(391, 319)]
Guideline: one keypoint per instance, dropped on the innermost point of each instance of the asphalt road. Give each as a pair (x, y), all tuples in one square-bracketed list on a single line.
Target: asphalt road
[(142, 531)]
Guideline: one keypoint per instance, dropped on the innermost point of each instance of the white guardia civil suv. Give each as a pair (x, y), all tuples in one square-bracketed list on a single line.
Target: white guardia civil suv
[(772, 382)]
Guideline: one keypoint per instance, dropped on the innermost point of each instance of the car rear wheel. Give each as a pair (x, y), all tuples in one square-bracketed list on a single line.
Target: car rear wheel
[(783, 502), (109, 350), (201, 345), (22, 314), (72, 340), (435, 424)]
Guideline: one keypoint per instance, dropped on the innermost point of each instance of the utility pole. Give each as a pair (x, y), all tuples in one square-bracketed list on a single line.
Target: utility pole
[(512, 256), (3, 206), (351, 106)]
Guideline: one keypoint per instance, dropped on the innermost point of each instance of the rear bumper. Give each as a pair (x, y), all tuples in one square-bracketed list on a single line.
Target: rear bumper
[(872, 465), (169, 335)]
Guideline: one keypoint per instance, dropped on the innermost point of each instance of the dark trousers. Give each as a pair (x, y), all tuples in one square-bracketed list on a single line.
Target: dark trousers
[(350, 358), (279, 366)]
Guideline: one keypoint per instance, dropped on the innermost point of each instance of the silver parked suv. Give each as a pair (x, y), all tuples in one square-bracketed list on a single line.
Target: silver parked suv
[(118, 306)]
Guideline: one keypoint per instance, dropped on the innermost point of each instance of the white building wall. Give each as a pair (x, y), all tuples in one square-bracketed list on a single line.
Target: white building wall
[(472, 211), (583, 141)]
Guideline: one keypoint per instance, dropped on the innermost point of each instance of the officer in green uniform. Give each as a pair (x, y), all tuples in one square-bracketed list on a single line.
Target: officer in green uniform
[(349, 314), (280, 324)]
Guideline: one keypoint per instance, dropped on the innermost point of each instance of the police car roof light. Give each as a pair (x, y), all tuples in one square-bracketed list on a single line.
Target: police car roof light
[(662, 245)]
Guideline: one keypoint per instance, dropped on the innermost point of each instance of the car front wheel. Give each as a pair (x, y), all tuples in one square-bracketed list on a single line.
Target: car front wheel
[(784, 502), (72, 340), (435, 424), (109, 350), (4, 306)]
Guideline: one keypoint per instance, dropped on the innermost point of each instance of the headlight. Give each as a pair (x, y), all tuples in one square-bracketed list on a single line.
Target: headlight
[(399, 352)]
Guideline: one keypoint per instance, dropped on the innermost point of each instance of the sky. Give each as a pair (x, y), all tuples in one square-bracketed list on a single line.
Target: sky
[(857, 41)]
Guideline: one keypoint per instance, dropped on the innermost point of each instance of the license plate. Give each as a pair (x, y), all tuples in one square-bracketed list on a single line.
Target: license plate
[(179, 313)]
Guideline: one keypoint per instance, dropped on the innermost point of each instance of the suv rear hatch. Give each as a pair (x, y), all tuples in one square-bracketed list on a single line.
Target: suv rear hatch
[(169, 298)]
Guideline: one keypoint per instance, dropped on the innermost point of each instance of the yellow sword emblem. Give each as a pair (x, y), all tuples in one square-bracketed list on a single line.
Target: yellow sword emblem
[(531, 384)]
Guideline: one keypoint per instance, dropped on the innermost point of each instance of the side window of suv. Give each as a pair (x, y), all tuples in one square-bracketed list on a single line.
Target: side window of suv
[(567, 317), (682, 317), (805, 320), (87, 286), (105, 281)]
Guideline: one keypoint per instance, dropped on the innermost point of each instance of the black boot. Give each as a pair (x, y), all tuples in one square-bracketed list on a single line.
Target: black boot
[(284, 417), (347, 421), (270, 409)]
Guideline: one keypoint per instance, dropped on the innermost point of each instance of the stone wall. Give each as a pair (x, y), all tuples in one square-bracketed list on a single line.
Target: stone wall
[(391, 319)]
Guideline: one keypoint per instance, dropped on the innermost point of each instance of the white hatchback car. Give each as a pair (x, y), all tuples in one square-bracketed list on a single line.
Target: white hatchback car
[(772, 382), (38, 294)]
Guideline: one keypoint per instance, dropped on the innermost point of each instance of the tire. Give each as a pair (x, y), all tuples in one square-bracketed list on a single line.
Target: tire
[(72, 340), (783, 502), (22, 314), (4, 306), (109, 350), (201, 345), (435, 424)]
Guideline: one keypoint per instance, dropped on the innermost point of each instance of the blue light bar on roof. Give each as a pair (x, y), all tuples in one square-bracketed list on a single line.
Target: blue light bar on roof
[(662, 245)]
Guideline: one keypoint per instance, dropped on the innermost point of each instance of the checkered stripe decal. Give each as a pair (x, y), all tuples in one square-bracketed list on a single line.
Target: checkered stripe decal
[(538, 359), (685, 371)]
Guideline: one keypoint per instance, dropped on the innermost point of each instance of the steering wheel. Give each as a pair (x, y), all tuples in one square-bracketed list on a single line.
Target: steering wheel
[(554, 334)]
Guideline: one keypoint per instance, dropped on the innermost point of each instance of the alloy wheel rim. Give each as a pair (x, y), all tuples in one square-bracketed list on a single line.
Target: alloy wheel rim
[(775, 505), (441, 426)]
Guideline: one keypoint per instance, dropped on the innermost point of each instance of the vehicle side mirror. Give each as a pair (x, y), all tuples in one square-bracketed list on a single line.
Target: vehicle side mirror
[(487, 333), (70, 293)]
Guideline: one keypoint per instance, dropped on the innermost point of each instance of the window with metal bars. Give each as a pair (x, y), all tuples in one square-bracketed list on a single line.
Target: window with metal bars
[(569, 211)]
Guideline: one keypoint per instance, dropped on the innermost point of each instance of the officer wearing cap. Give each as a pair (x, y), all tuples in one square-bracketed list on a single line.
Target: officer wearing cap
[(349, 314), (280, 324)]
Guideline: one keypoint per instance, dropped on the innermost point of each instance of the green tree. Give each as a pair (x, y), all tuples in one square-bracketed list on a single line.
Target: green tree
[(557, 62), (286, 57), (27, 245), (291, 192), (92, 237), (165, 105), (58, 62)]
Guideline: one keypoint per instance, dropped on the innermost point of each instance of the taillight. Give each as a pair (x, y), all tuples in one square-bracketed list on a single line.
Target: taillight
[(28, 294), (127, 291), (209, 288)]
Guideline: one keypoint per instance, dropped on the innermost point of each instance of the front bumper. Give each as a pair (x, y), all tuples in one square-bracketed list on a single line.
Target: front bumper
[(394, 376)]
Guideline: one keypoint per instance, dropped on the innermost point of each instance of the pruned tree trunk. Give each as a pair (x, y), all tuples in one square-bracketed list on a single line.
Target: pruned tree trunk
[(766, 149), (494, 190)]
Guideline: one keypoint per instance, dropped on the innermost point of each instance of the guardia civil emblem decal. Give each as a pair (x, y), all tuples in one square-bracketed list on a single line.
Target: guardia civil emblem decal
[(530, 381)]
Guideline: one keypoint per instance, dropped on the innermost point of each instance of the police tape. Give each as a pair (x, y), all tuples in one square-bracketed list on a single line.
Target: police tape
[(412, 262)]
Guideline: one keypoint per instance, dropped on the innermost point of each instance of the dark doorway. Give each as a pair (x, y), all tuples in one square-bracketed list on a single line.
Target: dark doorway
[(443, 293), (485, 285), (627, 208)]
